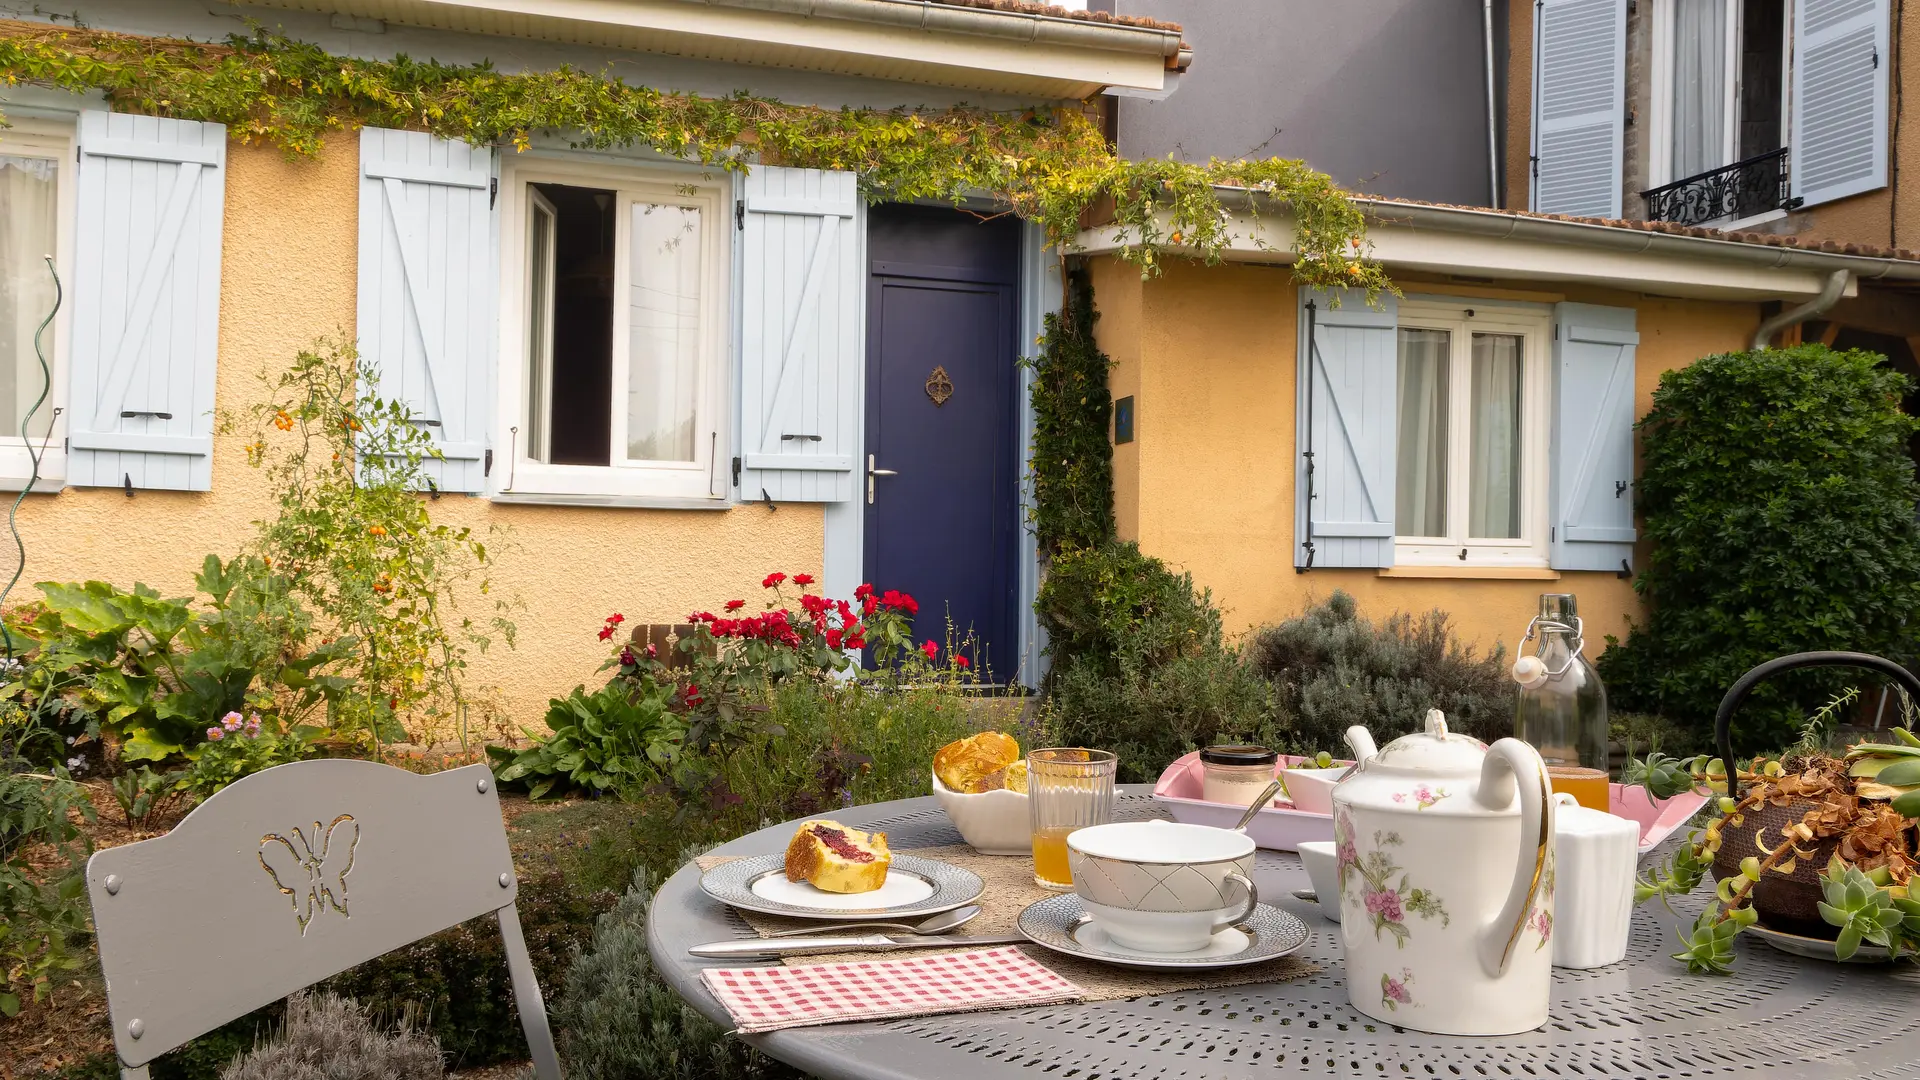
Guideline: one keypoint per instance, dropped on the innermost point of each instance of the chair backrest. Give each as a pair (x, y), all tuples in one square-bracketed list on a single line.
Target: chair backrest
[(284, 878)]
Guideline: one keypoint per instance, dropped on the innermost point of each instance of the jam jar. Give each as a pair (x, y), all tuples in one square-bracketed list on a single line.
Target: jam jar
[(1236, 774)]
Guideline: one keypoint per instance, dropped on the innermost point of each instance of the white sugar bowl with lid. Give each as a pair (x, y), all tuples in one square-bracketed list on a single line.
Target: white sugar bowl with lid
[(1444, 852), (1596, 856)]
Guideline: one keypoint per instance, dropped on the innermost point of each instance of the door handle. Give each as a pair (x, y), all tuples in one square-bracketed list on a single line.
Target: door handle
[(873, 472)]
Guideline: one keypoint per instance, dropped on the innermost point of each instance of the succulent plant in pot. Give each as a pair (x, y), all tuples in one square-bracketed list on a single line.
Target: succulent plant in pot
[(1808, 843)]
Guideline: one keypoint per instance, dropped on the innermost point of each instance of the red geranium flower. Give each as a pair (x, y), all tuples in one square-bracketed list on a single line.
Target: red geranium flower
[(861, 592), (833, 639), (961, 662), (931, 650), (693, 697), (803, 580), (773, 579), (606, 633), (736, 605), (616, 619)]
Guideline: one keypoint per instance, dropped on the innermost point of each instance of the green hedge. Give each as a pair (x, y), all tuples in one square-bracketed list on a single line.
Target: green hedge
[(1778, 502)]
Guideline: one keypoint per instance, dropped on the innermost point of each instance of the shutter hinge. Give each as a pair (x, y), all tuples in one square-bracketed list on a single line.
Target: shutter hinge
[(1876, 57), (740, 214), (736, 472), (486, 463), (433, 490), (1550, 531), (493, 190), (127, 478), (1619, 489), (1534, 161)]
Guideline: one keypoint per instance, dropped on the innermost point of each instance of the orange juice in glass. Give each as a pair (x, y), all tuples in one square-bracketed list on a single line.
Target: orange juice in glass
[(1067, 789), (1587, 786)]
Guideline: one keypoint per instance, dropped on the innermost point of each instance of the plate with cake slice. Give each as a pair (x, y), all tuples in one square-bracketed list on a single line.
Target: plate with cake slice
[(832, 871)]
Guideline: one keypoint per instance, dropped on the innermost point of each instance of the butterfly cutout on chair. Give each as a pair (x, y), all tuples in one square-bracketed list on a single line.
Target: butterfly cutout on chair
[(312, 868)]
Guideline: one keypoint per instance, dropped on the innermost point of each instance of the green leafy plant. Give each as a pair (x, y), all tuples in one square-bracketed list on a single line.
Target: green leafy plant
[(355, 539), (239, 747), (145, 796), (326, 1037), (613, 740), (1072, 460), (1140, 661), (1777, 497), (1053, 166), (1862, 909), (1332, 667), (42, 907)]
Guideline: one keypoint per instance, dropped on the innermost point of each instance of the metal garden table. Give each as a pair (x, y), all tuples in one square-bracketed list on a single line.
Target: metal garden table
[(1779, 1017)]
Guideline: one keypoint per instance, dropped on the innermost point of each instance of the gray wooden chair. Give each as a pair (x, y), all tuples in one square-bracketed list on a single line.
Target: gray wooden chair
[(292, 875)]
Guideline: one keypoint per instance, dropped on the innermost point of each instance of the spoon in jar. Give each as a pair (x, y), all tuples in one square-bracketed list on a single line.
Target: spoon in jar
[(1260, 802), (934, 924)]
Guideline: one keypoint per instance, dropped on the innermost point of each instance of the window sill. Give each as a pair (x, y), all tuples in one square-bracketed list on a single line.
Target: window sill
[(46, 485), (1510, 573), (636, 502)]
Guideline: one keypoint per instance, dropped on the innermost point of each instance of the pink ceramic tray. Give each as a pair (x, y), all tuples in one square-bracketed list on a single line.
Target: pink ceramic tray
[(1283, 828)]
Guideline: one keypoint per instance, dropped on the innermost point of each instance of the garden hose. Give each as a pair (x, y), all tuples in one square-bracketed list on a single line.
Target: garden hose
[(33, 476)]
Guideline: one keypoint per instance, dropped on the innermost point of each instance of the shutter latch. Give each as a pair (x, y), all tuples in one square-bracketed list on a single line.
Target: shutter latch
[(740, 214), (736, 472), (493, 190), (1619, 489), (486, 463)]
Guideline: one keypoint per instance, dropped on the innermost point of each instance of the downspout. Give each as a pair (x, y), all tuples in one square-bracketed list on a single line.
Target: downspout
[(1829, 295), (1493, 130)]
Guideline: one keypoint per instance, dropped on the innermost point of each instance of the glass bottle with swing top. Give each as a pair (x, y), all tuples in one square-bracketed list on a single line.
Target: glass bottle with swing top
[(1562, 706)]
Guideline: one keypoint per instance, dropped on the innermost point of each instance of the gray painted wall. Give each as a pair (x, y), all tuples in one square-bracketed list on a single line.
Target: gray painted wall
[(1386, 96)]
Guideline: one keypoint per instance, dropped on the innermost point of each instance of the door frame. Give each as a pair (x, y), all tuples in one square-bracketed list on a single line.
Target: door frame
[(1036, 292)]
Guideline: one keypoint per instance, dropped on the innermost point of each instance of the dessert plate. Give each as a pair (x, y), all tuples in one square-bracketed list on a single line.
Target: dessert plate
[(914, 886), (1060, 923)]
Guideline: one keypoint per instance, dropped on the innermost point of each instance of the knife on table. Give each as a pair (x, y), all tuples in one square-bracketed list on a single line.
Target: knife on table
[(801, 946)]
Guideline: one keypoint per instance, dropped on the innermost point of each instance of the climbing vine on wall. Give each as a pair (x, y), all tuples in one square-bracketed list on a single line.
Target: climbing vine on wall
[(1072, 462), (1049, 165)]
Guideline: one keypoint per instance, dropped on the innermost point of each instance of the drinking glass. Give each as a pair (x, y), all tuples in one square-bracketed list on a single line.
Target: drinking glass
[(1067, 789)]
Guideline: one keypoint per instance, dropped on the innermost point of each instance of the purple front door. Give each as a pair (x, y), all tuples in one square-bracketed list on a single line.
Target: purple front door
[(943, 513)]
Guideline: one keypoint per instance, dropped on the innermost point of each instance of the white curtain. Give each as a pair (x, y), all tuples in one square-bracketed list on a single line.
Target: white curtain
[(28, 202), (663, 376), (1699, 86), (1493, 487), (1420, 498)]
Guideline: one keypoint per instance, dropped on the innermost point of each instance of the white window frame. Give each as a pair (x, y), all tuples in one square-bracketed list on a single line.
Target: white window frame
[(55, 139), (1661, 88), (667, 483), (1462, 319)]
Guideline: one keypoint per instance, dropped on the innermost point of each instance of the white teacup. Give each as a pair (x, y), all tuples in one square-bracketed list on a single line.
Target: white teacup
[(1159, 886)]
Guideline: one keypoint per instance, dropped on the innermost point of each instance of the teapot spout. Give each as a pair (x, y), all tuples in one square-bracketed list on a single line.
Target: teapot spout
[(1361, 740)]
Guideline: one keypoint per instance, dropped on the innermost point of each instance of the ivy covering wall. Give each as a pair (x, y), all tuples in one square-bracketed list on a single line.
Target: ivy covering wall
[(1051, 166)]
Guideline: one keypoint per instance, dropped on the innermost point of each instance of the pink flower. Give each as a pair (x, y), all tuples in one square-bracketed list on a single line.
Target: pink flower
[(1423, 793), (1385, 905), (214, 734), (1399, 796), (652, 650), (1395, 990), (231, 721)]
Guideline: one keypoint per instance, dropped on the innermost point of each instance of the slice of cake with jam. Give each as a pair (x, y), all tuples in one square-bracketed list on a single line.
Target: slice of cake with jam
[(837, 858)]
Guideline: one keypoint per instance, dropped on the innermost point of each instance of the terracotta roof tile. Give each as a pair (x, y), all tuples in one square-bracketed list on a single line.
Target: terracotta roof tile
[(1832, 247), (1021, 7)]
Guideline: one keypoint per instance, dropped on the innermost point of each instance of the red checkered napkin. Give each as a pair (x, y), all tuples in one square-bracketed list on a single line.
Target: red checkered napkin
[(774, 997)]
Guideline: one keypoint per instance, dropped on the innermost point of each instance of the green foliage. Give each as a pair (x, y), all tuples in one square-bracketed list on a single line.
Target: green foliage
[(1051, 166), (144, 795), (614, 740), (42, 907), (1140, 664), (454, 985), (1332, 668), (618, 1019), (1708, 945), (237, 749), (330, 1038), (1778, 499), (158, 671), (1072, 462), (353, 536), (1862, 910)]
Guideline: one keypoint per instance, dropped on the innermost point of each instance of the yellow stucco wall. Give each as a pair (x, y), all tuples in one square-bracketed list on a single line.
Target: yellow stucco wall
[(1208, 483), (288, 277)]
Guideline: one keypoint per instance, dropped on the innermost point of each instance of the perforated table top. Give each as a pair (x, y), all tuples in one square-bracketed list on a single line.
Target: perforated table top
[(1645, 1017)]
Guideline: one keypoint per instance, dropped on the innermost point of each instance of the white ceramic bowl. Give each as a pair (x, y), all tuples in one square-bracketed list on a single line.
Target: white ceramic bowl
[(1312, 789), (1323, 868), (992, 822)]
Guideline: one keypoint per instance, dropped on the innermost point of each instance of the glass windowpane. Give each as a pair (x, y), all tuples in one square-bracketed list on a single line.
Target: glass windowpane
[(1493, 485), (1420, 498), (663, 311), (539, 332), (28, 214)]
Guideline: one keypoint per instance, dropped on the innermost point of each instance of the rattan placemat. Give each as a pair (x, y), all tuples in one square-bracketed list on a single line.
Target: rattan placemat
[(1010, 888)]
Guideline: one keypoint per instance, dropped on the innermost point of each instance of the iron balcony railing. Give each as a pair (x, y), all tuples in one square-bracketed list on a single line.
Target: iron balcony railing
[(1740, 190)]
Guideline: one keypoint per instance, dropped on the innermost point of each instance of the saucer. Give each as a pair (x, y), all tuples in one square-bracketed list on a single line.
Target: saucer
[(914, 886), (1061, 923), (1819, 948)]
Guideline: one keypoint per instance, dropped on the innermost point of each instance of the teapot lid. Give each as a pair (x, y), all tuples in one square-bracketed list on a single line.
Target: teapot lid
[(1434, 750)]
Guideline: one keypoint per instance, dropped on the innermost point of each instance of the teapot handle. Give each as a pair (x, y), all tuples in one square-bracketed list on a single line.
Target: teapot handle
[(1510, 763)]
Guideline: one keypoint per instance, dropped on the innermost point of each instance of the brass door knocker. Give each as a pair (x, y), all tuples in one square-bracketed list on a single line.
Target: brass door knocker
[(939, 386)]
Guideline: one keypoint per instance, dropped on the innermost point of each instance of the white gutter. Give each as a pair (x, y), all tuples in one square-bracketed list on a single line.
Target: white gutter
[(1019, 26), (1829, 296), (1500, 225)]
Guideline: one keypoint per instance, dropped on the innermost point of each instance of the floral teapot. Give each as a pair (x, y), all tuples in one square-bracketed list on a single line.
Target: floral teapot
[(1445, 852)]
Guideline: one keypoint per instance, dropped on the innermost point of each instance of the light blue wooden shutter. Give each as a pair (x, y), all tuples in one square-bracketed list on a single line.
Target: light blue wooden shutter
[(1579, 106), (146, 301), (1839, 140), (1592, 472), (802, 338), (427, 289), (1348, 396)]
